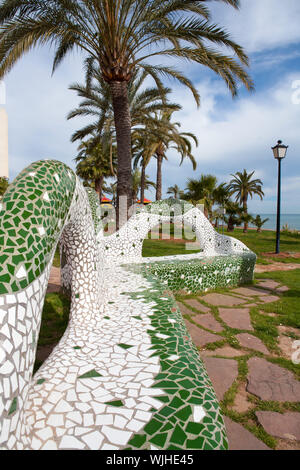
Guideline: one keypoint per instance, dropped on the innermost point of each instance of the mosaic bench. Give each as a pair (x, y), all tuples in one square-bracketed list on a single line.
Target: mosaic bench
[(126, 374)]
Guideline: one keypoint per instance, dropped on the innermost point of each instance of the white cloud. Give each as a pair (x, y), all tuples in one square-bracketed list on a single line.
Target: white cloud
[(240, 136), (232, 134), (261, 24)]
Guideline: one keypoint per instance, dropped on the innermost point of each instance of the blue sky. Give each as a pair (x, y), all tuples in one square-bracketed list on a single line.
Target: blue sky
[(232, 134)]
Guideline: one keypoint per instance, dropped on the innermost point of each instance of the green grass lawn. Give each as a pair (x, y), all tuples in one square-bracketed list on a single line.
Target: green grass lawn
[(263, 242), (55, 318), (165, 248), (266, 328)]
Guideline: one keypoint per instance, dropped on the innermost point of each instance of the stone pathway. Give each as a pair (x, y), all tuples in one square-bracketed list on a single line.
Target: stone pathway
[(212, 319), (266, 268), (208, 317)]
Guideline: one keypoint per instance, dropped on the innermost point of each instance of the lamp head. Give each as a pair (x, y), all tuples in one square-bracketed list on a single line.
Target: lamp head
[(280, 150)]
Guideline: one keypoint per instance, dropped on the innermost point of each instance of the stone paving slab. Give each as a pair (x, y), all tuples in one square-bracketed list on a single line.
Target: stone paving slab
[(286, 426), (268, 284), (184, 310), (236, 318), (250, 291), (269, 298), (252, 342), (197, 305), (226, 351), (222, 373), (269, 381), (240, 438), (201, 337), (208, 321), (289, 330), (282, 289), (222, 300), (269, 314)]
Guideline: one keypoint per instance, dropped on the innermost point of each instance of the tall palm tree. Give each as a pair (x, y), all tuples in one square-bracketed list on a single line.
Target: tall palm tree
[(234, 213), (93, 165), (221, 194), (174, 190), (111, 189), (243, 186), (136, 185), (97, 103), (136, 180), (163, 135), (121, 36), (202, 190)]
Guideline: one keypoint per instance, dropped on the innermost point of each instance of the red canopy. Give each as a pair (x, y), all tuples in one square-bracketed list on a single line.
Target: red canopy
[(105, 199), (146, 201)]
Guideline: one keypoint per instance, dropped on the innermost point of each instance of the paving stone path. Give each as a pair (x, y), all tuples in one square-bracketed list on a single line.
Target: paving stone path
[(210, 318), (214, 317)]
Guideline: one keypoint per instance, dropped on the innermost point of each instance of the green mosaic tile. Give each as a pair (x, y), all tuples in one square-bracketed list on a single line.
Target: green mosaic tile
[(13, 406), (40, 381), (25, 244), (125, 346), (159, 440), (88, 375), (116, 403), (178, 437)]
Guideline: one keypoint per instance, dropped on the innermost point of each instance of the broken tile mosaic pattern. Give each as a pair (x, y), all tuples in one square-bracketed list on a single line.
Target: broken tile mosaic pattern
[(126, 373)]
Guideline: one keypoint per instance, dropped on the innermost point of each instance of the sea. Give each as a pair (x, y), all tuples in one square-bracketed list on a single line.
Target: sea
[(292, 220)]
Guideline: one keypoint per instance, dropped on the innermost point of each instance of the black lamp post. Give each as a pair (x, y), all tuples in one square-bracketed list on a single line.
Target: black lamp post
[(279, 152)]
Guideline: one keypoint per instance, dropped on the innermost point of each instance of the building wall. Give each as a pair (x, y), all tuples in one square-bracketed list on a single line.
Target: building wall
[(3, 143)]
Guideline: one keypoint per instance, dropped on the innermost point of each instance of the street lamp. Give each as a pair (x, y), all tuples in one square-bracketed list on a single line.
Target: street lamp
[(279, 152)]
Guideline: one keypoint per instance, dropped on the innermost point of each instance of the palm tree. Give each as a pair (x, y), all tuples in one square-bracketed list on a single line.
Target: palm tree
[(246, 219), (174, 190), (111, 189), (97, 103), (93, 165), (258, 222), (121, 36), (243, 186), (221, 194), (202, 190), (234, 213), (136, 179), (165, 135), (154, 140)]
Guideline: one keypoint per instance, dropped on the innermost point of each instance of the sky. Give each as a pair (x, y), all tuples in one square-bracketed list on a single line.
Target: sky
[(233, 134)]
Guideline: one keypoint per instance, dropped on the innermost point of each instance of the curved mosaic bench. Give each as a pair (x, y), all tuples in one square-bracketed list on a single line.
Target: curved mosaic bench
[(126, 374), (222, 262)]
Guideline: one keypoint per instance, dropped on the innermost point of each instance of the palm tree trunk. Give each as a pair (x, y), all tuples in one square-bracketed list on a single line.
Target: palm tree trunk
[(123, 133), (111, 158), (159, 177), (98, 186), (230, 226), (245, 210), (143, 177)]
